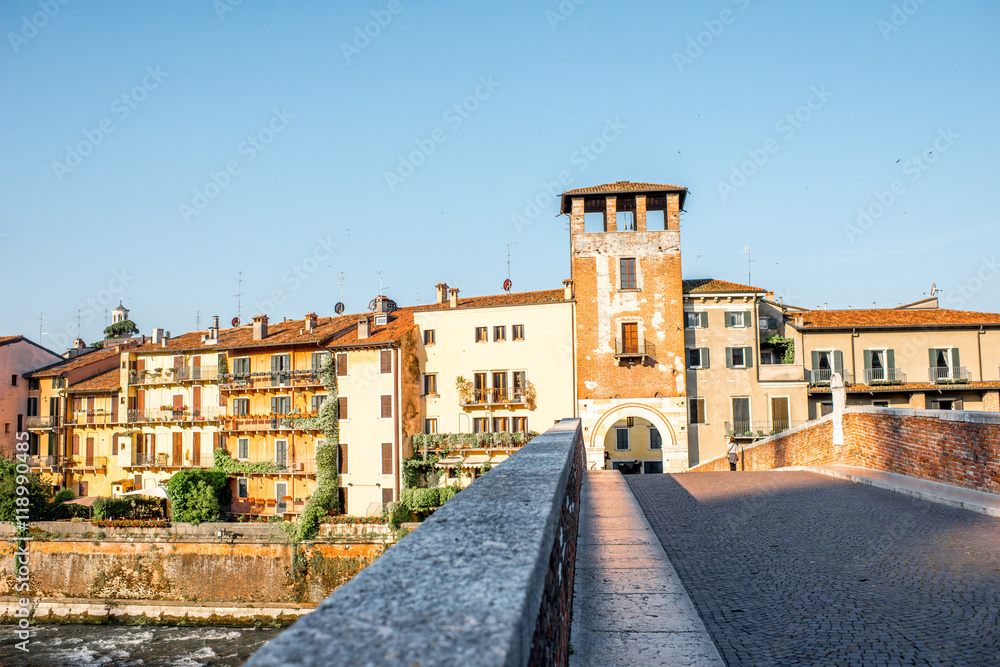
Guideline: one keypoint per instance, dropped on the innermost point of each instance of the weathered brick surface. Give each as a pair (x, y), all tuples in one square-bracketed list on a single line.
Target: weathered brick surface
[(807, 446)]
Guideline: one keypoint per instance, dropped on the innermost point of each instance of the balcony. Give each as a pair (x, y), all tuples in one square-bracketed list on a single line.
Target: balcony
[(243, 424), (782, 372), (948, 374), (82, 464), (755, 430), (884, 376), (184, 374), (164, 416), (822, 377), (282, 467), (97, 417), (265, 381), (127, 459), (501, 396), (634, 349), (50, 421)]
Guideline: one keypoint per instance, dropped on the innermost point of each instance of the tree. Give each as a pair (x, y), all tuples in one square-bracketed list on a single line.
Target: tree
[(119, 329), (196, 494), (36, 493)]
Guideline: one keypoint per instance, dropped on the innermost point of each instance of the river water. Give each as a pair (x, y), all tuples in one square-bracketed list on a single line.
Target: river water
[(120, 645)]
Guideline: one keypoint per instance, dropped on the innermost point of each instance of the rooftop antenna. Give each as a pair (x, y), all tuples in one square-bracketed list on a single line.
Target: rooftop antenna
[(507, 283), (699, 263), (339, 306), (197, 320), (79, 322), (239, 296), (41, 318), (746, 249)]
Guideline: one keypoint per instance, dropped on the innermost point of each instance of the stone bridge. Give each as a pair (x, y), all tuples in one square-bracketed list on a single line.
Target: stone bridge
[(864, 553)]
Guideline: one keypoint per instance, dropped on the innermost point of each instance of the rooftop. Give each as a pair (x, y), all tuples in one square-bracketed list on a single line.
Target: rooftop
[(621, 187), (895, 318), (108, 381), (500, 300), (60, 367), (711, 285)]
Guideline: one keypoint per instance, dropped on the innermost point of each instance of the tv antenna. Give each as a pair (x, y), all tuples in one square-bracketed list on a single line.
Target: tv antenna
[(507, 283), (746, 249), (339, 306), (239, 296), (79, 322), (41, 318)]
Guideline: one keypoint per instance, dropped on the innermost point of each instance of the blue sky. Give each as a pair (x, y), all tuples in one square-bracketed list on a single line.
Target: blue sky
[(153, 152)]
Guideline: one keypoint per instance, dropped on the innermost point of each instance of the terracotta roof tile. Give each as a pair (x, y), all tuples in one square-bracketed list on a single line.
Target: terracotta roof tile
[(399, 322), (711, 285), (894, 318), (910, 387), (9, 339), (499, 300), (286, 333), (109, 381), (624, 186), (61, 367)]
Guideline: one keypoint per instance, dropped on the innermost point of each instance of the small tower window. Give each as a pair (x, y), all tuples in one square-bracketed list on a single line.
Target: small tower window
[(628, 273)]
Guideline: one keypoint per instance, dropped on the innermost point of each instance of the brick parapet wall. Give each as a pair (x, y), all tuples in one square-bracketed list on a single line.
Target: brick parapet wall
[(959, 448)]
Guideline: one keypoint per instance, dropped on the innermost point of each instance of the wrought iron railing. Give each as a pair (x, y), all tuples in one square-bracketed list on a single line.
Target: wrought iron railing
[(201, 414), (48, 421), (760, 429), (182, 374), (496, 396), (884, 376), (634, 348), (236, 382), (822, 376), (948, 374)]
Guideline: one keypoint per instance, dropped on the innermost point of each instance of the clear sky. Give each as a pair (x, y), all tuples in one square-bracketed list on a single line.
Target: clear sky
[(152, 151)]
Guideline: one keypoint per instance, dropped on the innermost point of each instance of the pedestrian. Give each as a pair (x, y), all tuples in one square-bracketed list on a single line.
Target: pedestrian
[(607, 460), (734, 456)]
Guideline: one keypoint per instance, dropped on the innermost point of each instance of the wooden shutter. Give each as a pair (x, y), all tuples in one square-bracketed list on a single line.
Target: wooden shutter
[(114, 409), (341, 365), (932, 359), (729, 355), (274, 363), (76, 444), (386, 496), (704, 357), (838, 362), (704, 319), (178, 449), (386, 406), (955, 363), (90, 409), (196, 401), (748, 357), (90, 453), (178, 401), (387, 459), (747, 317), (386, 362), (890, 362), (341, 407), (274, 405), (729, 319), (868, 360), (215, 442), (196, 449), (815, 361), (342, 458)]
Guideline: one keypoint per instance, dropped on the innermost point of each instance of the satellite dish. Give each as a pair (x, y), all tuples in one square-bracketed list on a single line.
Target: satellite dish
[(236, 322), (507, 285), (339, 308), (933, 289)]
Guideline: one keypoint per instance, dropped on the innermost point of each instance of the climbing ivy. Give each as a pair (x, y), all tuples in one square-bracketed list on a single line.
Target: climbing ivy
[(223, 364), (785, 345), (225, 463), (324, 498)]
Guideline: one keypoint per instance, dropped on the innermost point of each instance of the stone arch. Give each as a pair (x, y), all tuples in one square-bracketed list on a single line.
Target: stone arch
[(641, 410)]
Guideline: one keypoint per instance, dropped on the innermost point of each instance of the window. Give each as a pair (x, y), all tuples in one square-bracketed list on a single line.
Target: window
[(481, 335), (241, 366), (739, 357), (500, 387), (738, 318), (342, 407), (281, 405), (381, 320), (621, 439), (824, 364), (430, 336), (13, 380), (741, 415), (696, 320), (698, 357), (281, 454), (499, 333), (520, 425), (342, 458), (517, 332), (944, 363), (386, 406), (655, 441), (317, 359), (341, 365), (431, 425), (241, 406), (500, 424), (767, 323), (879, 365), (479, 425), (387, 459), (242, 487), (630, 338), (520, 386), (58, 383), (627, 274), (430, 384), (33, 406), (880, 404), (243, 448), (33, 384), (697, 409), (6, 427), (385, 362), (767, 358), (317, 402)]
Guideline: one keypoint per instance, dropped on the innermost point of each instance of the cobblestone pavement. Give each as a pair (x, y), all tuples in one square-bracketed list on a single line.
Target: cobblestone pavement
[(793, 568)]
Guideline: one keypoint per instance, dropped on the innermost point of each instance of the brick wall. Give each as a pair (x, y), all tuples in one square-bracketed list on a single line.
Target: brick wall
[(959, 448)]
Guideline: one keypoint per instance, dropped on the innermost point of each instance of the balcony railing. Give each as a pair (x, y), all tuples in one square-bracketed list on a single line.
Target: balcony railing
[(884, 376), (253, 381), (98, 417), (948, 374), (285, 467), (183, 374), (83, 463), (152, 416), (50, 421), (625, 349), (822, 376), (162, 460), (760, 429), (496, 397), (263, 423)]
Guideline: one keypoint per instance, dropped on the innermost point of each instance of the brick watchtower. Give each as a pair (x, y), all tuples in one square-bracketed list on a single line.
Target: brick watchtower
[(626, 270)]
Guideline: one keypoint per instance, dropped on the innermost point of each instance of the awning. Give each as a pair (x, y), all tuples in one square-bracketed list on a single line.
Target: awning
[(155, 492), (87, 501), (449, 462), (475, 460)]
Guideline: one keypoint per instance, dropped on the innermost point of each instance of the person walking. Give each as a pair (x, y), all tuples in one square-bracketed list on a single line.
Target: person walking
[(734, 456)]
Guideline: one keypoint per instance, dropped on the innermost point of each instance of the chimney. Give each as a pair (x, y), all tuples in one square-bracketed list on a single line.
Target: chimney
[(157, 336), (798, 321), (79, 344), (453, 297), (260, 327), (310, 321), (874, 306), (363, 328), (213, 331), (568, 289), (824, 305), (442, 290)]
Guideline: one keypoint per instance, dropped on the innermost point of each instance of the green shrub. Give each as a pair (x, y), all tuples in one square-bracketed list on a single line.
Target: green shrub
[(197, 494), (37, 494), (447, 493), (64, 495)]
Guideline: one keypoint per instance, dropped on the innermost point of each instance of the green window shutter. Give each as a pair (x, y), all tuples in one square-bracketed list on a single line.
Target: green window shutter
[(274, 363), (704, 357), (704, 320), (729, 319), (890, 359), (868, 360), (729, 356), (932, 357), (274, 402), (838, 362), (690, 354), (815, 360), (772, 323), (954, 358), (748, 318), (748, 357)]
